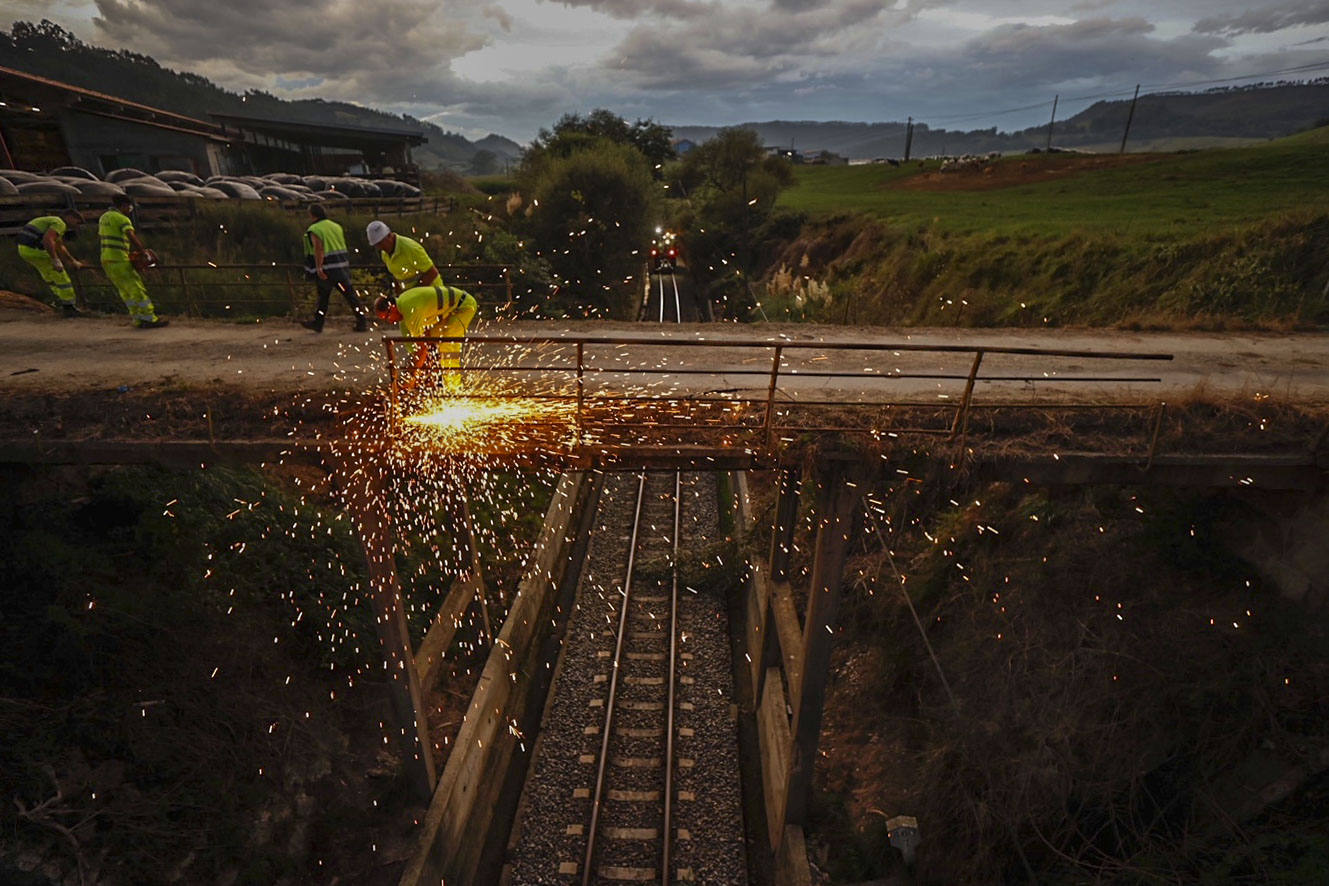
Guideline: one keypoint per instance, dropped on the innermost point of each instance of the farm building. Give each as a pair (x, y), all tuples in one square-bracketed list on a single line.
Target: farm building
[(261, 145), (45, 123)]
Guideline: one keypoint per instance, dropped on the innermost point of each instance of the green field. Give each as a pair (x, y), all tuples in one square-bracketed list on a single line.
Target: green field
[(1235, 237), (1166, 194)]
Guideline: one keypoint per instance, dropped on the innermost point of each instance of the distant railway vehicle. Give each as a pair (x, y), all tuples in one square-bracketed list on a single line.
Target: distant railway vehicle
[(664, 251)]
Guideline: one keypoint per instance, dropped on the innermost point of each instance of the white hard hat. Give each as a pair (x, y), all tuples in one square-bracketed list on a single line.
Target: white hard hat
[(376, 232)]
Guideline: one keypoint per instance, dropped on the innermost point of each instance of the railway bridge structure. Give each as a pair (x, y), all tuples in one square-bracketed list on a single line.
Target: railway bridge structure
[(772, 416)]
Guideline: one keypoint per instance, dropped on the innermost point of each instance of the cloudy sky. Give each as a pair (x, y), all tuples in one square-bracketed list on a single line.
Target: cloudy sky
[(512, 66)]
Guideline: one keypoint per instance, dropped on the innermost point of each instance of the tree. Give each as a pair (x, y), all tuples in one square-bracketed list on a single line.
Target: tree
[(590, 213), (573, 133), (732, 183), (484, 163)]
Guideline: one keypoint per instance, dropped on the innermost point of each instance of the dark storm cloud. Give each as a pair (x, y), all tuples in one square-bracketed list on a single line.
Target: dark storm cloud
[(1085, 51), (734, 47), (387, 51), (1267, 19), (635, 9)]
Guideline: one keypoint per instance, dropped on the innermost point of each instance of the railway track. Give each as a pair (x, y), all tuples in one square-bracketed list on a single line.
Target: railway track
[(636, 773)]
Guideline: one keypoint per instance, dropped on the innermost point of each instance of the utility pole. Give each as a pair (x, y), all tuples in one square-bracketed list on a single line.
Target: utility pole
[(908, 138), (1129, 117), (1052, 121)]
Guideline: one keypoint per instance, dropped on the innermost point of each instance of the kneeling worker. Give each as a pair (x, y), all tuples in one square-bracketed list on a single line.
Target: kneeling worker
[(41, 244), (116, 230), (436, 311)]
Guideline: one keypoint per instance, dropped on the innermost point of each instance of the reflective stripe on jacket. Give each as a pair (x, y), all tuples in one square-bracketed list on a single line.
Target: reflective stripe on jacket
[(113, 230), (35, 231), (335, 253)]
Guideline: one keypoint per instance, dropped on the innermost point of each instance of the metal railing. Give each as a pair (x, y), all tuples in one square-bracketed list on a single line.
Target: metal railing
[(271, 288), (762, 414)]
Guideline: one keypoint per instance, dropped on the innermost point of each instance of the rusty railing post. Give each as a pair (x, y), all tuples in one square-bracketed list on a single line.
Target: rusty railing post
[(393, 383), (770, 397), (190, 306), (290, 287), (581, 390), (1153, 437), (962, 414)]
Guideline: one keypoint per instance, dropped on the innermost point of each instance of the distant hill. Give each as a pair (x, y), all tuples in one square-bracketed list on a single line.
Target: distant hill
[(48, 50), (1261, 111)]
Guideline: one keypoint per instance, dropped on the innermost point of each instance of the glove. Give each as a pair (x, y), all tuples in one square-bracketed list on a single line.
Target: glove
[(143, 259)]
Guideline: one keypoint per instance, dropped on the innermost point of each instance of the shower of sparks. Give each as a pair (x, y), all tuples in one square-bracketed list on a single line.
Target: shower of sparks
[(469, 423)]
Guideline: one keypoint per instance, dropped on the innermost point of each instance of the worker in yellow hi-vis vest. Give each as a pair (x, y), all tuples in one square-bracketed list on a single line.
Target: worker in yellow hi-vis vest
[(41, 244), (405, 258), (116, 230), (435, 311)]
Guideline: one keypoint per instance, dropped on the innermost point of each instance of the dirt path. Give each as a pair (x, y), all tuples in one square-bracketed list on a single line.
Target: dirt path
[(42, 355)]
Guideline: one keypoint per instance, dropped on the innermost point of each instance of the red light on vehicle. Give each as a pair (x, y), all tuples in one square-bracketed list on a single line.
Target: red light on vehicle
[(673, 252)]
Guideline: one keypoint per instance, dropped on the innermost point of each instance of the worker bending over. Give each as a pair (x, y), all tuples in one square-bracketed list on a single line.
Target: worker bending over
[(405, 259), (41, 244), (116, 230), (435, 311)]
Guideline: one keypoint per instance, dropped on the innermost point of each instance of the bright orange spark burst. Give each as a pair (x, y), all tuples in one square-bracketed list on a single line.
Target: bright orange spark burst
[(486, 423)]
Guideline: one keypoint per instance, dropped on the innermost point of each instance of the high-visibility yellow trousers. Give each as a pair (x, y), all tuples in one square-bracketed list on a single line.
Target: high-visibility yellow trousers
[(452, 325), (59, 281), (132, 290)]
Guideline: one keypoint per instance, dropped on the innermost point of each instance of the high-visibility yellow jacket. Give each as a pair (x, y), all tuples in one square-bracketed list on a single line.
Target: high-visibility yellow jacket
[(335, 254), (34, 232), (113, 230), (424, 306), (408, 261)]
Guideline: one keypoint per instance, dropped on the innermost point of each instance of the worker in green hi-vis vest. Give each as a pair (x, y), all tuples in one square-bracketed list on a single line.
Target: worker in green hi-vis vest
[(41, 244), (435, 311), (328, 261), (116, 230)]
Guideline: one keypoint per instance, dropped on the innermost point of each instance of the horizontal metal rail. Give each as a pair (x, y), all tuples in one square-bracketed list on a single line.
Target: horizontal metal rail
[(571, 360), (784, 345)]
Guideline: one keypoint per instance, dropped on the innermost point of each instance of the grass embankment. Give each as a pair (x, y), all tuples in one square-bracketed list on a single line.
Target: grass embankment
[(192, 684), (1114, 697), (1223, 237), (261, 236)]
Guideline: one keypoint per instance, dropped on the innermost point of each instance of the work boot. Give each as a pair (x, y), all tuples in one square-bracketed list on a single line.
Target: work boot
[(152, 324), (70, 310), (312, 325)]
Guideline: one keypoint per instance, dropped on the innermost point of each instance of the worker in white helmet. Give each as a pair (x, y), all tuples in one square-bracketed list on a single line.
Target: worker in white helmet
[(405, 258)]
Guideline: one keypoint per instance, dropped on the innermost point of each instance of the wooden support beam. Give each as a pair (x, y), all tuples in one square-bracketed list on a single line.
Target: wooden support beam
[(838, 502), (492, 737), (477, 576), (438, 639), (776, 747), (786, 521), (768, 579), (364, 486), (784, 616)]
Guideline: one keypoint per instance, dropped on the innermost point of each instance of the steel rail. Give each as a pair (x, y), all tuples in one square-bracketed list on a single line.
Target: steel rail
[(598, 797), (597, 800), (666, 831)]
